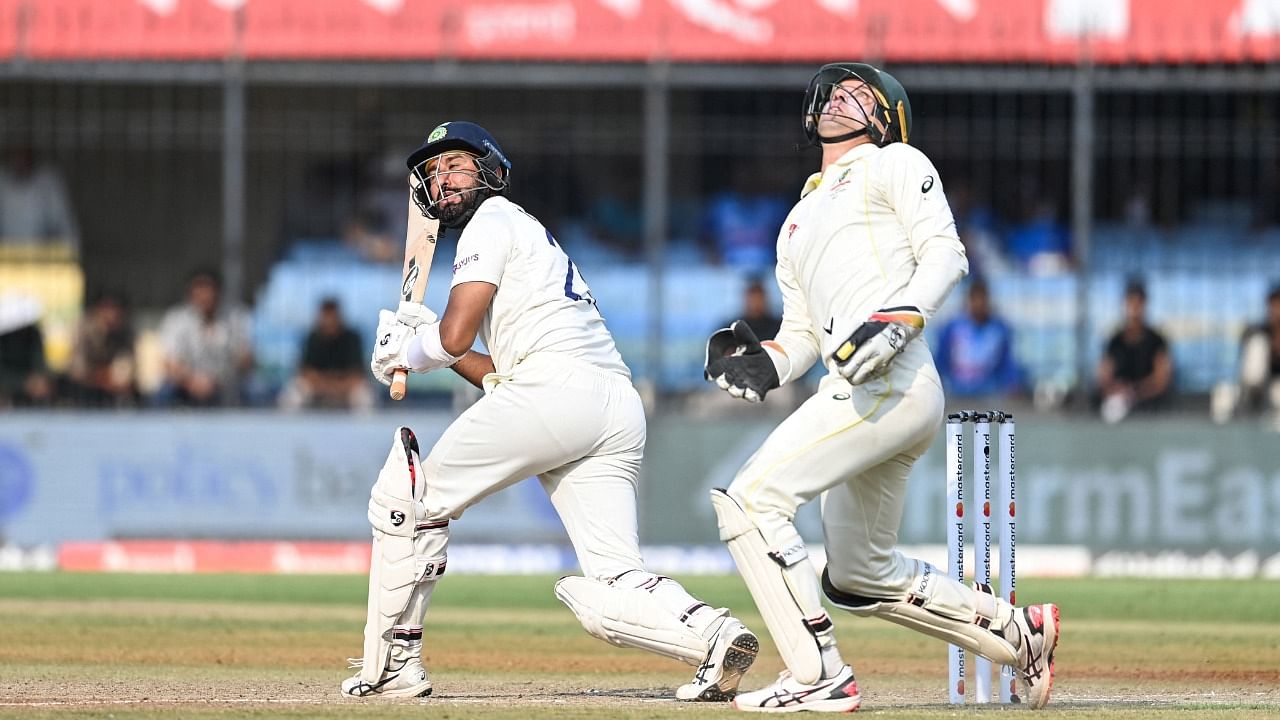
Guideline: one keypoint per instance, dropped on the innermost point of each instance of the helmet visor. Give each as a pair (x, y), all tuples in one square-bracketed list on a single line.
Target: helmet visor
[(839, 102), (448, 185)]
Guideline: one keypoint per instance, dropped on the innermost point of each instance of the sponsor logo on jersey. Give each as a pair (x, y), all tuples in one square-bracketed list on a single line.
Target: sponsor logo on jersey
[(465, 262), (927, 185), (791, 230)]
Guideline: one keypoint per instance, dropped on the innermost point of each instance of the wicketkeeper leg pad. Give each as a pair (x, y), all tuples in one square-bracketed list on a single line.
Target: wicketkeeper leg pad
[(970, 617), (783, 585), (409, 556), (622, 614)]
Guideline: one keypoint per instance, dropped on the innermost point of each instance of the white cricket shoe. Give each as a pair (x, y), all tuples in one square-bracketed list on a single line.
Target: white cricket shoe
[(833, 694), (733, 649), (403, 677), (1037, 627)]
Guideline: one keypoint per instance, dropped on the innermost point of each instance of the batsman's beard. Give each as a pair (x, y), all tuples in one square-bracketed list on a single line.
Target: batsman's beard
[(455, 215)]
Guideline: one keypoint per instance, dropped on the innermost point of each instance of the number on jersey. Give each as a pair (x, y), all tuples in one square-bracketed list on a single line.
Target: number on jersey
[(571, 275)]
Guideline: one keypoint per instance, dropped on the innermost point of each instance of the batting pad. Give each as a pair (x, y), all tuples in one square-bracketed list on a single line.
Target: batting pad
[(630, 617), (781, 589), (403, 557)]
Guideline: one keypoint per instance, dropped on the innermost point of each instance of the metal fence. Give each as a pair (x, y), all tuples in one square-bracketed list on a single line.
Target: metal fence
[(1167, 173)]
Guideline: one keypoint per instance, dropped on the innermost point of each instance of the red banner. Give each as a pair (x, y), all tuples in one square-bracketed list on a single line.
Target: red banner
[(136, 29), (9, 27), (215, 556), (980, 31)]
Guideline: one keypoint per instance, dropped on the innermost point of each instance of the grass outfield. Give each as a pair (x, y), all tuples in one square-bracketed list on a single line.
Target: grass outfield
[(156, 646)]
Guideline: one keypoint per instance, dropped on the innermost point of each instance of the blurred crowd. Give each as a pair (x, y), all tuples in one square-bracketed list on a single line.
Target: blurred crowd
[(204, 357), (199, 352)]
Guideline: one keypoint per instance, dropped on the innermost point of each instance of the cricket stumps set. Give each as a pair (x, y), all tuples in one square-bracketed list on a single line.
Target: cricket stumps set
[(969, 493)]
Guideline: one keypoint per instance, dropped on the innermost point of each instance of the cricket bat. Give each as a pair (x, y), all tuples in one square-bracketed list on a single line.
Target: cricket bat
[(419, 247)]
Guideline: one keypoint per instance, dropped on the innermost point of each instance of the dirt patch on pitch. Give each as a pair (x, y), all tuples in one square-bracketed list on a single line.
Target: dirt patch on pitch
[(177, 691), (541, 699), (165, 659)]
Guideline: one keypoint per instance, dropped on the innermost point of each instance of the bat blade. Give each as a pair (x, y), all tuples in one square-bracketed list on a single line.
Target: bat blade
[(419, 247)]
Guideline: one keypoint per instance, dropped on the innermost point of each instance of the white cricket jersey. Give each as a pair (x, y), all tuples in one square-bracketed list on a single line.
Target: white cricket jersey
[(872, 231), (542, 303)]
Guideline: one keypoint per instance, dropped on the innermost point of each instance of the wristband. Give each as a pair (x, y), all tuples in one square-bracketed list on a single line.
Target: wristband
[(428, 352)]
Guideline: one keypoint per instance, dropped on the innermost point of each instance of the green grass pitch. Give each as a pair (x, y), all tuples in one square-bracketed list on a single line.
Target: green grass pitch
[(162, 646)]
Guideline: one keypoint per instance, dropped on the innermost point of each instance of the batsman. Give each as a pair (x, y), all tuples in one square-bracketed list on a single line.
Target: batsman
[(865, 258), (558, 404)]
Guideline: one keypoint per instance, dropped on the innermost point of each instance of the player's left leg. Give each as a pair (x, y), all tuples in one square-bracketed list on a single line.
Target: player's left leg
[(838, 433), (408, 559), (617, 600), (866, 575), (410, 508)]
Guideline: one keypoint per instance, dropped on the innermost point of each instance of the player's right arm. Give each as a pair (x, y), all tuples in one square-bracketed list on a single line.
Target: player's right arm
[(468, 303), (796, 338), (473, 367), (747, 368)]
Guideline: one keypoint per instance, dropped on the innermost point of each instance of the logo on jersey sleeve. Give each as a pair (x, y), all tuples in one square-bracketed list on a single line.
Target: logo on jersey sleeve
[(474, 257), (927, 185)]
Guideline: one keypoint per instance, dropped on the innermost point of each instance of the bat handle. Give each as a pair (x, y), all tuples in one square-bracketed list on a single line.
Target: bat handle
[(397, 384)]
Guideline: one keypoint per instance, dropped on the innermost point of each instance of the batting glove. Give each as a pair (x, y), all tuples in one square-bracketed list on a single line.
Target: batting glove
[(876, 342), (738, 363), (399, 346), (415, 314)]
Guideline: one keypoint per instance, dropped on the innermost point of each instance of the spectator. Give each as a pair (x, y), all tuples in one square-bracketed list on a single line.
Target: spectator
[(740, 222), (320, 201), (978, 230), (1258, 386), (206, 345), (756, 311), (1136, 371), (24, 378), (34, 208), (1041, 245), (615, 215), (375, 231), (103, 370), (975, 351), (1260, 357), (332, 371)]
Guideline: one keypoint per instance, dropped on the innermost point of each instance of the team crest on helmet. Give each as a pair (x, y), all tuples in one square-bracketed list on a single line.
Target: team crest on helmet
[(440, 131)]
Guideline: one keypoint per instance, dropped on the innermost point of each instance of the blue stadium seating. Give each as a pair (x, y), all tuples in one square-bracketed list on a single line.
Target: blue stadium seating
[(1205, 283)]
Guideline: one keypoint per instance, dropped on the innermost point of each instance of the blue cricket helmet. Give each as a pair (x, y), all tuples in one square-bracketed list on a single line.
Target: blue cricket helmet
[(468, 137)]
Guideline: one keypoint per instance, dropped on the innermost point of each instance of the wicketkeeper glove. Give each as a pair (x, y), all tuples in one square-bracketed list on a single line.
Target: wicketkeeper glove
[(738, 363), (876, 342)]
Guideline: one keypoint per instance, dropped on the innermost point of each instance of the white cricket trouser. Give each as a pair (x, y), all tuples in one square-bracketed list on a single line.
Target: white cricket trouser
[(580, 429), (855, 446)]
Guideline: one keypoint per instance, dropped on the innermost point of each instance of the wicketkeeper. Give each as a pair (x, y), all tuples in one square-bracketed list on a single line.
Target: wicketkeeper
[(865, 258)]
